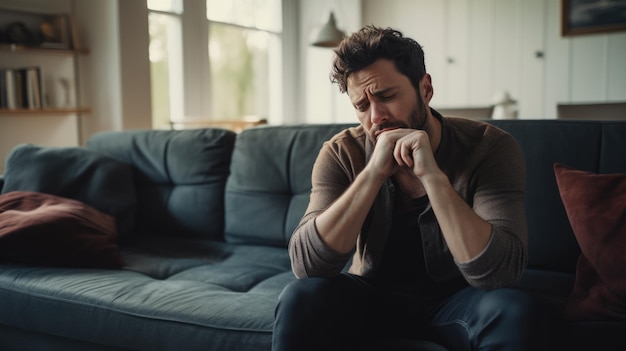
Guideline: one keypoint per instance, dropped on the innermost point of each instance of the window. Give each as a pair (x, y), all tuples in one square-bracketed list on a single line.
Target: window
[(165, 61), (242, 56), (243, 42)]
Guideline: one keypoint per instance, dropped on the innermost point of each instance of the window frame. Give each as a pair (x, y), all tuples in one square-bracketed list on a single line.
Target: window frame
[(195, 62)]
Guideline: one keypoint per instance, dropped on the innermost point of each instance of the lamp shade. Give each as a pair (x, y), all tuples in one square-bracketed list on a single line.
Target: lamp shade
[(327, 36)]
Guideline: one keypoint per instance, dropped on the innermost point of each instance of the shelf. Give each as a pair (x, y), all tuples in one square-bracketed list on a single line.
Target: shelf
[(44, 112), (13, 48)]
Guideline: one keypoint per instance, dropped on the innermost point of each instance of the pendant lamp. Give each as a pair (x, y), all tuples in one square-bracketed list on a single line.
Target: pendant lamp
[(328, 35)]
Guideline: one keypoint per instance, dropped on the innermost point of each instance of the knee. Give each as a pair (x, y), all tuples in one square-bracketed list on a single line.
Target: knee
[(304, 292), (508, 305), (293, 292), (509, 315)]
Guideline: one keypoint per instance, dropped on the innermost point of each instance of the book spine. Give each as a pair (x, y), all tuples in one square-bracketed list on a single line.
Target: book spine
[(33, 88), (9, 75), (19, 89), (3, 90)]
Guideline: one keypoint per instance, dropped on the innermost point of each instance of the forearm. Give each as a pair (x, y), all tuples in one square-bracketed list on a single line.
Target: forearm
[(466, 233), (340, 225)]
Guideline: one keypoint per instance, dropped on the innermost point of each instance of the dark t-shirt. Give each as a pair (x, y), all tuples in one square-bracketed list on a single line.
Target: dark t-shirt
[(403, 260), (403, 267)]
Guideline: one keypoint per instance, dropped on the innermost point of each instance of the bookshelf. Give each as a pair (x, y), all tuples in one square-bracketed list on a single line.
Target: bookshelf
[(42, 36), (44, 41), (43, 111), (13, 48)]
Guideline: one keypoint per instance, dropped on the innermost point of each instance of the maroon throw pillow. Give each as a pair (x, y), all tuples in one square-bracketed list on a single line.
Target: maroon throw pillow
[(44, 229), (596, 208)]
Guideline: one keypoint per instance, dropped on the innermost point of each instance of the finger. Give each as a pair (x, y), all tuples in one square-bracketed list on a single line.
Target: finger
[(397, 154), (407, 154), (402, 154)]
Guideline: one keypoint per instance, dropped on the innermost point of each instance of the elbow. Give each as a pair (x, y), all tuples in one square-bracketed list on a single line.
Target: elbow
[(299, 271), (496, 279)]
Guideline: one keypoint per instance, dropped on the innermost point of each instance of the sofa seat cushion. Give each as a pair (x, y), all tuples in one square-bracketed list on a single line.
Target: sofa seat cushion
[(170, 294)]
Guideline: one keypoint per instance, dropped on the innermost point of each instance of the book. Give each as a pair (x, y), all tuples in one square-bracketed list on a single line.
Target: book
[(9, 78), (19, 88), (3, 91), (37, 85), (32, 87)]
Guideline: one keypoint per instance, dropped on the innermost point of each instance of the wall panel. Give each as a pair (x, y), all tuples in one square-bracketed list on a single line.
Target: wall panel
[(532, 58), (513, 45), (481, 73), (588, 69), (457, 82), (616, 67), (507, 48)]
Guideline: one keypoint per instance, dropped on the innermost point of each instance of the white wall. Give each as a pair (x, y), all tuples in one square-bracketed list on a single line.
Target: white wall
[(100, 71), (134, 42), (115, 76), (477, 48), (321, 100)]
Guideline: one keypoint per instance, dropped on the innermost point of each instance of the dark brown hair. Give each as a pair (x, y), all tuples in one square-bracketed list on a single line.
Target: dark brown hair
[(371, 43)]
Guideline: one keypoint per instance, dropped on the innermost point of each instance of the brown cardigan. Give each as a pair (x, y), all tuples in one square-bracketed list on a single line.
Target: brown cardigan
[(486, 167)]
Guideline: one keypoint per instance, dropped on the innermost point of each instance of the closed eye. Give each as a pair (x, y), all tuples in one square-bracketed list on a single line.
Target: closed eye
[(361, 107), (386, 97)]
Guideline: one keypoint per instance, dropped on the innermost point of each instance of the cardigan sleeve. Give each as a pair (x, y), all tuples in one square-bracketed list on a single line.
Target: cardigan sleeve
[(333, 172), (496, 193)]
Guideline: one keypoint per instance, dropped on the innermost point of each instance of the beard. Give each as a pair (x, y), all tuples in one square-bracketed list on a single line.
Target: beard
[(418, 117)]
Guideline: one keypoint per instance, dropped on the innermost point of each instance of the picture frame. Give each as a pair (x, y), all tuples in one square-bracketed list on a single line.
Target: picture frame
[(38, 30), (56, 32), (580, 17)]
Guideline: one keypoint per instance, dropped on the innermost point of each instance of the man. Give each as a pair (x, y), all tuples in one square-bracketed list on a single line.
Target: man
[(426, 213)]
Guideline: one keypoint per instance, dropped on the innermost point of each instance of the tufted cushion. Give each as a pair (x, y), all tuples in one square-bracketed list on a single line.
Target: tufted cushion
[(76, 173), (268, 189), (179, 176)]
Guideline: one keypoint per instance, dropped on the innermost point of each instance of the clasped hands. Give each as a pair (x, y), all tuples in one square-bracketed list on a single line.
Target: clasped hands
[(403, 149)]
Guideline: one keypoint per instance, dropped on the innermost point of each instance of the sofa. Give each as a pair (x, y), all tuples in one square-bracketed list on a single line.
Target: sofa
[(192, 229)]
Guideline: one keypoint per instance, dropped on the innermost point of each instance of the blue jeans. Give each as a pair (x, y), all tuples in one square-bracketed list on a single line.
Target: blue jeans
[(348, 313)]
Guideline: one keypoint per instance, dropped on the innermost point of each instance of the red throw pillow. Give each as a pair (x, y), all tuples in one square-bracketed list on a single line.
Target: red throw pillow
[(596, 207), (44, 229)]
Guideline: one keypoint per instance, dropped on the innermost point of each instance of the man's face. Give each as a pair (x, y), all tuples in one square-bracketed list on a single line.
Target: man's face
[(384, 98)]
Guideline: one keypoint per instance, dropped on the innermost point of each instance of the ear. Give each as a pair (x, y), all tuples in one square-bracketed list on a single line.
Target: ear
[(426, 88)]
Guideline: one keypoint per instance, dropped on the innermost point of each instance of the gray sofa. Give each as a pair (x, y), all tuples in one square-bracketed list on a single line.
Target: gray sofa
[(206, 217)]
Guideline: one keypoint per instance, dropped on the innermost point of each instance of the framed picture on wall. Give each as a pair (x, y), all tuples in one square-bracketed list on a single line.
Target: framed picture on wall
[(55, 32), (592, 16)]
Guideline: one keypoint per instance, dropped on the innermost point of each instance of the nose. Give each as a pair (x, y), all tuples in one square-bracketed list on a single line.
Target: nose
[(378, 113)]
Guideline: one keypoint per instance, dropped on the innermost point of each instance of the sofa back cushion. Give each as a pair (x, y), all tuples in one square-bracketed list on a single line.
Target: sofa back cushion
[(72, 172), (179, 178), (593, 146), (270, 181)]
